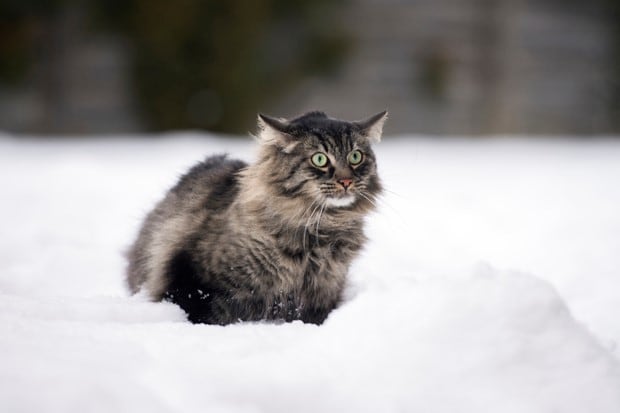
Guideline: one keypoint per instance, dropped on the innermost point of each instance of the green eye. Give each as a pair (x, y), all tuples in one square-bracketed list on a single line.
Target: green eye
[(319, 159), (355, 157)]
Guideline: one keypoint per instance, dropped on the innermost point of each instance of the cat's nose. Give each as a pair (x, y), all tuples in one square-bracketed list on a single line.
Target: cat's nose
[(345, 182)]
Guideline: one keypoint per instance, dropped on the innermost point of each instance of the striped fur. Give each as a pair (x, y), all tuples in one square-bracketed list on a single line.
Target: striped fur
[(268, 241)]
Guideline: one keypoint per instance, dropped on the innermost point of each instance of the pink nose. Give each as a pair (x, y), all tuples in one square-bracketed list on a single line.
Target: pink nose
[(346, 182)]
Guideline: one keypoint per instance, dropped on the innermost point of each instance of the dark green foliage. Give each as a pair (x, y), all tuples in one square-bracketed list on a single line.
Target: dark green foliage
[(22, 25), (214, 64), (195, 63)]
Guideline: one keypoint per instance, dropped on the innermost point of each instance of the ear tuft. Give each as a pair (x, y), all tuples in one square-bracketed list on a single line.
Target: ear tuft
[(274, 131), (372, 127), (281, 125)]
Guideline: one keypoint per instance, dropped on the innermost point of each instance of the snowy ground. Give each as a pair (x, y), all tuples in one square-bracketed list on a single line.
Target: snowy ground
[(491, 284)]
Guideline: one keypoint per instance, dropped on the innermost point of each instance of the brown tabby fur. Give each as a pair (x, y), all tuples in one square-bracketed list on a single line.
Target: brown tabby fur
[(268, 241)]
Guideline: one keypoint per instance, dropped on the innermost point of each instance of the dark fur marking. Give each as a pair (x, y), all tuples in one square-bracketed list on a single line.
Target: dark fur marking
[(187, 290)]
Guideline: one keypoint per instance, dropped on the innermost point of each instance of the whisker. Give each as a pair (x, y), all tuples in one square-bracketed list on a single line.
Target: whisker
[(382, 200), (309, 221), (395, 193), (318, 222), (379, 200), (302, 217), (367, 198)]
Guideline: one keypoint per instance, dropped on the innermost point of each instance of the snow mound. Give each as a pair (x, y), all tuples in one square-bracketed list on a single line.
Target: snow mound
[(494, 341), (422, 329), (488, 342)]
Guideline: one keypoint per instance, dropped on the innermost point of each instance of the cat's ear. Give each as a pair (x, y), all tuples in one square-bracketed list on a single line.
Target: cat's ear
[(372, 127), (273, 131)]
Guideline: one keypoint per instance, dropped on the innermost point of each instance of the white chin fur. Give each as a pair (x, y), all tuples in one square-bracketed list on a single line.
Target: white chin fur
[(340, 202)]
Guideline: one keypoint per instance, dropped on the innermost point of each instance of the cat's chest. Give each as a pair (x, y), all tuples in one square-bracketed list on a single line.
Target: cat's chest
[(296, 261), (314, 259)]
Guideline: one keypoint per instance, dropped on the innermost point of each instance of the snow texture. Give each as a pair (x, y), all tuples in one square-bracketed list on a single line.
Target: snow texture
[(491, 284)]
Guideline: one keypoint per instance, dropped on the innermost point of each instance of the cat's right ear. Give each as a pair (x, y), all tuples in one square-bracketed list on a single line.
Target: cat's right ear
[(273, 131)]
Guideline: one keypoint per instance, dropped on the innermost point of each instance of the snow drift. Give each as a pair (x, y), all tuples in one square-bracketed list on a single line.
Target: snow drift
[(491, 283)]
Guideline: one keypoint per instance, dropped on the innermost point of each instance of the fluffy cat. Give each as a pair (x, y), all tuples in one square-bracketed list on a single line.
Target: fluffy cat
[(268, 241)]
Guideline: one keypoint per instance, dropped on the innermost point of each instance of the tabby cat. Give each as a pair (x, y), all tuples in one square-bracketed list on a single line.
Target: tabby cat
[(268, 241)]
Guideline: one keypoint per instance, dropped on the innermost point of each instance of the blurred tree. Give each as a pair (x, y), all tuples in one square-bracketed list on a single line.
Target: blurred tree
[(212, 64), (22, 25), (614, 15)]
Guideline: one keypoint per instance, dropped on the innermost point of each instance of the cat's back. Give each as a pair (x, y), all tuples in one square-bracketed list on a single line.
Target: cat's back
[(207, 189), (212, 183)]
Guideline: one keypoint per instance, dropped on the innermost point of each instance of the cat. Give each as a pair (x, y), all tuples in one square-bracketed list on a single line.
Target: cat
[(268, 241)]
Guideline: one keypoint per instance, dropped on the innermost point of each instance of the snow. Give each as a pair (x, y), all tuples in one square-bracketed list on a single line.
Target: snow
[(491, 283)]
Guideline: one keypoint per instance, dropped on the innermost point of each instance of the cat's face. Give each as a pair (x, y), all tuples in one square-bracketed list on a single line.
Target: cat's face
[(327, 162)]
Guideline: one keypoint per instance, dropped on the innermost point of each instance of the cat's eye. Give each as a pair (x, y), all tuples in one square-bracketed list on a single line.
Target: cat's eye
[(355, 157), (319, 159)]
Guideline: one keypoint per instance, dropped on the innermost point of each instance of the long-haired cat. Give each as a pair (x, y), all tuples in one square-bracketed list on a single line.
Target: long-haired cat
[(268, 241)]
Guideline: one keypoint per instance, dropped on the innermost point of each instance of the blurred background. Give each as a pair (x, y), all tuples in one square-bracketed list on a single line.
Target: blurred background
[(440, 67)]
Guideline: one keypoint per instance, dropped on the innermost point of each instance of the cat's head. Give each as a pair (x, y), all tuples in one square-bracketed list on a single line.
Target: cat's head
[(327, 162)]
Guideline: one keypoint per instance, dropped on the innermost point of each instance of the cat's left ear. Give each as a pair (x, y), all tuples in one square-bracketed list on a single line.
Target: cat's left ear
[(372, 127), (273, 131)]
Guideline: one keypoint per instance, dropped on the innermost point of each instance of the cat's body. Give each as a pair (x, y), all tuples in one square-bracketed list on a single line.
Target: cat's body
[(269, 241)]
